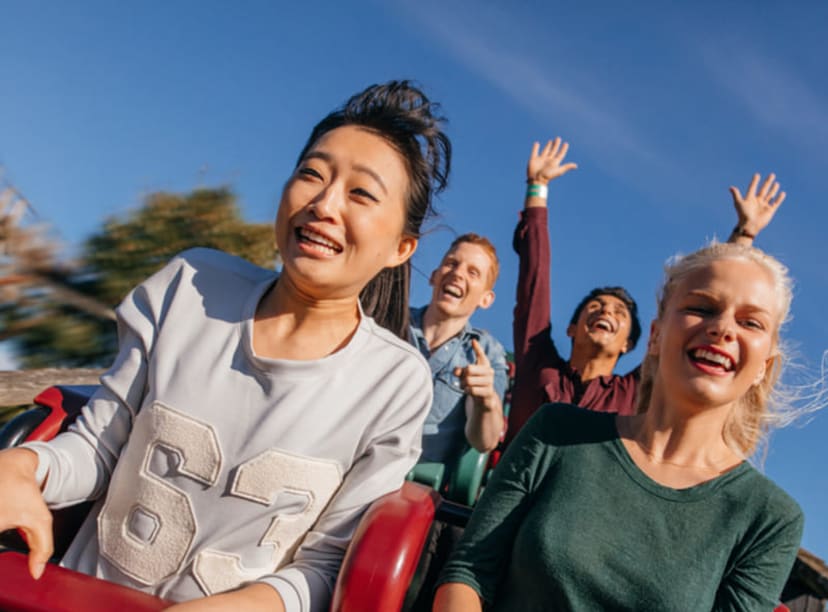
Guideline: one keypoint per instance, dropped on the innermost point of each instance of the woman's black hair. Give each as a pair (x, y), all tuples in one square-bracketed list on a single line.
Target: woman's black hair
[(399, 112)]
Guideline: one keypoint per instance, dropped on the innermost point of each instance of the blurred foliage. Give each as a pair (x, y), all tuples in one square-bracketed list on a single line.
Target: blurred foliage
[(60, 335), (124, 253)]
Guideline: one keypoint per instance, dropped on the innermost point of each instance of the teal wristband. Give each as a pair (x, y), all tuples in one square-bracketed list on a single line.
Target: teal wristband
[(534, 190)]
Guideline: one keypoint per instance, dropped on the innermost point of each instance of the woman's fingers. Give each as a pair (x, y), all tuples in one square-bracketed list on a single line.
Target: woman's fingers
[(41, 547), (751, 191), (22, 506), (773, 191), (767, 186)]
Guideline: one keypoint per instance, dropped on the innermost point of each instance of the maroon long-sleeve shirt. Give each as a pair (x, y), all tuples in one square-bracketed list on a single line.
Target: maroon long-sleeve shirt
[(542, 375)]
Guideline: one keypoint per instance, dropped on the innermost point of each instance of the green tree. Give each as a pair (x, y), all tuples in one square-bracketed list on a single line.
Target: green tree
[(58, 332)]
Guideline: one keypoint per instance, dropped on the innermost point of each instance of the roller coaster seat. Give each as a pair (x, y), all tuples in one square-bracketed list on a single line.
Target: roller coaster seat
[(376, 572)]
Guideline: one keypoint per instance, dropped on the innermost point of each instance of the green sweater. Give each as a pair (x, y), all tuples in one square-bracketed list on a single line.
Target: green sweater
[(569, 522)]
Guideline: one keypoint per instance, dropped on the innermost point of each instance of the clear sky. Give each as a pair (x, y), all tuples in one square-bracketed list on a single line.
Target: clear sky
[(665, 106)]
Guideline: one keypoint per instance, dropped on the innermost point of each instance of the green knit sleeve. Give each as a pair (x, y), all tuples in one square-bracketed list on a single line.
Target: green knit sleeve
[(484, 551), (761, 565)]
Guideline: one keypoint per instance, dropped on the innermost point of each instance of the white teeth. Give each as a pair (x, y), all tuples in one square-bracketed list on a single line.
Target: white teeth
[(319, 240), (602, 324), (453, 291), (722, 360)]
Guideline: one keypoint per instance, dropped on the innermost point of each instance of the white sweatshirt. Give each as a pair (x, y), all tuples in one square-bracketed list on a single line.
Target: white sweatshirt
[(220, 467)]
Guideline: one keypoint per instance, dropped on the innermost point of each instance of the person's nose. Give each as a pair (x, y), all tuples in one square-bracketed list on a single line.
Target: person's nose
[(722, 327), (606, 311), (459, 272), (327, 202)]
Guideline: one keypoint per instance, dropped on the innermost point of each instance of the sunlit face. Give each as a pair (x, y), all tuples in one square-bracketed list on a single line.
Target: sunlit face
[(342, 214), (461, 283), (717, 333), (604, 321)]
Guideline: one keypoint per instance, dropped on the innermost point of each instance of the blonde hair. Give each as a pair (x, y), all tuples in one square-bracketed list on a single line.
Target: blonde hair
[(764, 406)]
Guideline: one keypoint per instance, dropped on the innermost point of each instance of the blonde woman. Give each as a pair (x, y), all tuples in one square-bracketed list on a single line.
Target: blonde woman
[(659, 510)]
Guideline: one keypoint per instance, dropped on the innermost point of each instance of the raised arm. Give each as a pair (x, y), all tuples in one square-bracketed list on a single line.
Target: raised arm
[(531, 326), (756, 208), (532, 308)]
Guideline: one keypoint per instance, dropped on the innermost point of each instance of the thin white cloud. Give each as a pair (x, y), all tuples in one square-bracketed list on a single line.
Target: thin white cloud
[(545, 81), (528, 83), (772, 92)]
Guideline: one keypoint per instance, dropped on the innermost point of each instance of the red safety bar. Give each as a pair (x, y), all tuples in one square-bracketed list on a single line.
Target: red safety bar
[(55, 409), (62, 402), (62, 590), (383, 556)]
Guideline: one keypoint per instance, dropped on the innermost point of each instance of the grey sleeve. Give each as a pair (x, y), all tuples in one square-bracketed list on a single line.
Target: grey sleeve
[(76, 465), (307, 583)]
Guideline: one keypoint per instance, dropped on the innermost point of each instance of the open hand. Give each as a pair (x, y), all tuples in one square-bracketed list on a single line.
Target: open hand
[(547, 164), (756, 208)]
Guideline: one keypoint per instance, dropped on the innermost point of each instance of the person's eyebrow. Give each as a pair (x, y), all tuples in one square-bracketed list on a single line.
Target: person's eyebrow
[(374, 175), (699, 293), (317, 155), (327, 157)]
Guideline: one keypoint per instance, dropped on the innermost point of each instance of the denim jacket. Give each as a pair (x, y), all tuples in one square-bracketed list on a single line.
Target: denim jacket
[(444, 430)]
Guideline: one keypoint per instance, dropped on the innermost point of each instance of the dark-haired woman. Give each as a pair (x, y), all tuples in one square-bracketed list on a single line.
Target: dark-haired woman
[(251, 417)]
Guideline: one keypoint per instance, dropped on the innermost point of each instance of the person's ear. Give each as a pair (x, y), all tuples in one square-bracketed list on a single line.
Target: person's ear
[(487, 299), (405, 249), (570, 330), (768, 363), (431, 277), (652, 341)]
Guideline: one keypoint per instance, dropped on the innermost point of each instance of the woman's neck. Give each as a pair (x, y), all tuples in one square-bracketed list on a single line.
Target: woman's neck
[(676, 446), (290, 324)]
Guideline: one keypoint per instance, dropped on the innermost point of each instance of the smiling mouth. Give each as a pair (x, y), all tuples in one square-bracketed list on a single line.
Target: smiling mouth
[(317, 241), (603, 325), (711, 359), (453, 291)]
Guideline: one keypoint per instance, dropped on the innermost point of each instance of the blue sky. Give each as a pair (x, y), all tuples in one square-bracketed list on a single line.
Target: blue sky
[(665, 106)]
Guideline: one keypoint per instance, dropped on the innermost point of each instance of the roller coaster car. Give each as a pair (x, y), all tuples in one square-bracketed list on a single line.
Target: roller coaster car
[(377, 571), (378, 567)]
